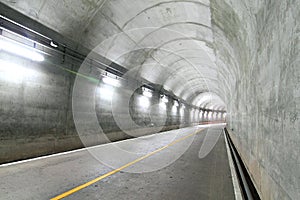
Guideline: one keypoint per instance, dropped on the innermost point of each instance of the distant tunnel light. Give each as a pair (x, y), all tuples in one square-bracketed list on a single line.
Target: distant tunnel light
[(181, 111), (176, 103), (174, 109), (111, 81), (144, 102), (165, 99), (20, 50), (147, 92)]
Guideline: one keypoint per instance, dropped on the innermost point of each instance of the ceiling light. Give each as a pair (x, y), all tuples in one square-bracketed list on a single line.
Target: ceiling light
[(14, 73), (20, 50)]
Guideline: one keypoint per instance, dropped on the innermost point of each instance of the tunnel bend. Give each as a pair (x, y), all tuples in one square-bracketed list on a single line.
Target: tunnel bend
[(247, 64)]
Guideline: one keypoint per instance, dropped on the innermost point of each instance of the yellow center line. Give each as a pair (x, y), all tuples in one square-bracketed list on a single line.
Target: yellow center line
[(80, 187)]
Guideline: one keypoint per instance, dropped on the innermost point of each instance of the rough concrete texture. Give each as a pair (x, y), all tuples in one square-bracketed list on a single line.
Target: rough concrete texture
[(243, 54), (37, 116), (171, 46), (36, 111), (258, 43)]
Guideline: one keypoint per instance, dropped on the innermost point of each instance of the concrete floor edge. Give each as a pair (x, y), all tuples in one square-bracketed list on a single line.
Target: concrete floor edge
[(235, 183)]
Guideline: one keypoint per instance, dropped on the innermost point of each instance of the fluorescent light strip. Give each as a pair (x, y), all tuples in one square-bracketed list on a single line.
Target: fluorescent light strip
[(20, 50), (111, 81)]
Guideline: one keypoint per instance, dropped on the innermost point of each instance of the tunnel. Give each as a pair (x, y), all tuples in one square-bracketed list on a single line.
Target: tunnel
[(150, 99)]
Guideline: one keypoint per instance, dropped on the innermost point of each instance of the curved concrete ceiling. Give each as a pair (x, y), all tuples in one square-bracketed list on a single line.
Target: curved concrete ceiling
[(166, 42)]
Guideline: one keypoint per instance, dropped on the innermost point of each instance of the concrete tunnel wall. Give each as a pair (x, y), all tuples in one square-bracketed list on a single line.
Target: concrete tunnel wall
[(257, 48), (36, 109), (255, 71)]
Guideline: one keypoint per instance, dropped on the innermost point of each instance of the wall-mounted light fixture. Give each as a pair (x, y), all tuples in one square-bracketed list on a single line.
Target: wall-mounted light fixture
[(147, 92), (176, 103), (209, 115), (16, 48), (164, 99), (111, 81), (144, 101)]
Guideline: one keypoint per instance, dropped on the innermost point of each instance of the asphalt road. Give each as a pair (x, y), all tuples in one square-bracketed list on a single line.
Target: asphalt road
[(159, 167)]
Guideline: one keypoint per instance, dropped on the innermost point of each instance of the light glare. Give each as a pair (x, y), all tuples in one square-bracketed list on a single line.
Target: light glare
[(20, 50), (174, 109), (165, 99), (147, 93), (106, 93), (14, 72), (144, 101), (209, 115), (111, 81)]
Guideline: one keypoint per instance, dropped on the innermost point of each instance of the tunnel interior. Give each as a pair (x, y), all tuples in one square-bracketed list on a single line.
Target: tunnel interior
[(129, 68)]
